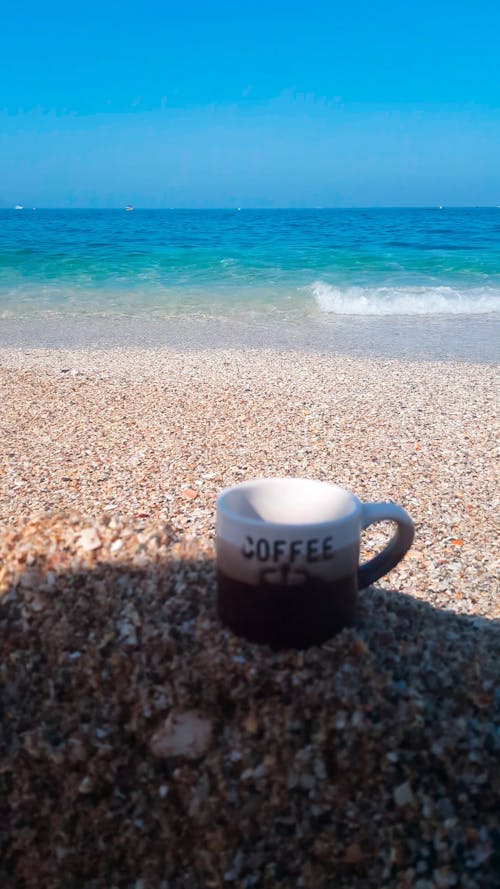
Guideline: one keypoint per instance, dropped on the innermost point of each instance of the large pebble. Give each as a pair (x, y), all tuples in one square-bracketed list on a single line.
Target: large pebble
[(182, 734)]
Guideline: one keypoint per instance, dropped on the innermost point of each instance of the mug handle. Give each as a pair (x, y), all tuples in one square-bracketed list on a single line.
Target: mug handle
[(396, 548)]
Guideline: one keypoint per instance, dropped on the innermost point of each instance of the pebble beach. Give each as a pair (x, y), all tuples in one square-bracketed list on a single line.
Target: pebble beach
[(143, 746)]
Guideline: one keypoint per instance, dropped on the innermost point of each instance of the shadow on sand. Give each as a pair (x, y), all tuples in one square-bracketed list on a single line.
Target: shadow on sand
[(368, 761)]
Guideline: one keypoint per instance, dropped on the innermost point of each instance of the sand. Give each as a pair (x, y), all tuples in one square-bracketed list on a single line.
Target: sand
[(370, 761)]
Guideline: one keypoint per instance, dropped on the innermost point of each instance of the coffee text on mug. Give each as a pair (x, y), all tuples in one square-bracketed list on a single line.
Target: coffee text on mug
[(314, 550)]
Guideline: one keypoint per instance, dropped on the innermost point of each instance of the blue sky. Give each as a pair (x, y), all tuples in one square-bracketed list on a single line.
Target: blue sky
[(211, 104)]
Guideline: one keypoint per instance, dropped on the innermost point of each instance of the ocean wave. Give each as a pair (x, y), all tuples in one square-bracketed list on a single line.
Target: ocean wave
[(405, 300)]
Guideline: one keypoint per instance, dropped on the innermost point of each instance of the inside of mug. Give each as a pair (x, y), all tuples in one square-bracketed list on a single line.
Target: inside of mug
[(288, 501)]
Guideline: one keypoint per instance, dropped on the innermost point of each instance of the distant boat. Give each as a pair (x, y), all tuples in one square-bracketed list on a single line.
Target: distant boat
[(128, 207), (440, 207), (18, 207)]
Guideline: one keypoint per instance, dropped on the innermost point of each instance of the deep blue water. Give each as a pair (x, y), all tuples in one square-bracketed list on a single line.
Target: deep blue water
[(249, 263)]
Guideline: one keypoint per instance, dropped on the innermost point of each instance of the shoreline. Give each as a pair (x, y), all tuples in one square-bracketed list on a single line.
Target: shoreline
[(463, 338)]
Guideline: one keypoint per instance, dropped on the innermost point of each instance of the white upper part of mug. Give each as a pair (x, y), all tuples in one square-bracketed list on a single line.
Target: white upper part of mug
[(302, 523), (297, 522)]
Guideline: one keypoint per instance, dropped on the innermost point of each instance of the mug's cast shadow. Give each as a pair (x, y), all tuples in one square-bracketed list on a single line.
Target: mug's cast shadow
[(399, 714)]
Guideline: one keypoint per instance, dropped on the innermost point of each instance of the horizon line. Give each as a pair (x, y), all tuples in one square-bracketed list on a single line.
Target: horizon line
[(270, 209)]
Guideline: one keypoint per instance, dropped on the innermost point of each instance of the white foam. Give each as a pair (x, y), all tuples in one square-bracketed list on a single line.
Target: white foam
[(405, 300)]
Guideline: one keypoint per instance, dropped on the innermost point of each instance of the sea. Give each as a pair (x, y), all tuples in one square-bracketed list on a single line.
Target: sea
[(396, 282)]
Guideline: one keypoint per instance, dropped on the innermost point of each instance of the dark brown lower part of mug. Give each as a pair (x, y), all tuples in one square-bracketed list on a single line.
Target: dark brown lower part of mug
[(287, 616)]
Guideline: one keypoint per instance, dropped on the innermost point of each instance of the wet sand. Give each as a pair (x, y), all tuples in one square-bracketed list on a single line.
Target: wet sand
[(464, 338)]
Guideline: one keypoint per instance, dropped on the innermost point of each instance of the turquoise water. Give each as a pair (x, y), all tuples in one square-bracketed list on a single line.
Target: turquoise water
[(249, 263)]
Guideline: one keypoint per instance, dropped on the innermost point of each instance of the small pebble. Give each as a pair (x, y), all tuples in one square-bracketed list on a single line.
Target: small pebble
[(403, 795)]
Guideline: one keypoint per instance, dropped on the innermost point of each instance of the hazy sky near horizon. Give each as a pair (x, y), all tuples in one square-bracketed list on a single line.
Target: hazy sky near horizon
[(229, 103)]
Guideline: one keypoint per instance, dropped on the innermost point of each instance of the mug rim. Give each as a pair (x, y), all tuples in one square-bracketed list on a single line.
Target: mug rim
[(248, 520)]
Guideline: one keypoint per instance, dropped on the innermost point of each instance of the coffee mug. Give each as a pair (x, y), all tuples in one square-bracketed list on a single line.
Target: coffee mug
[(288, 568)]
